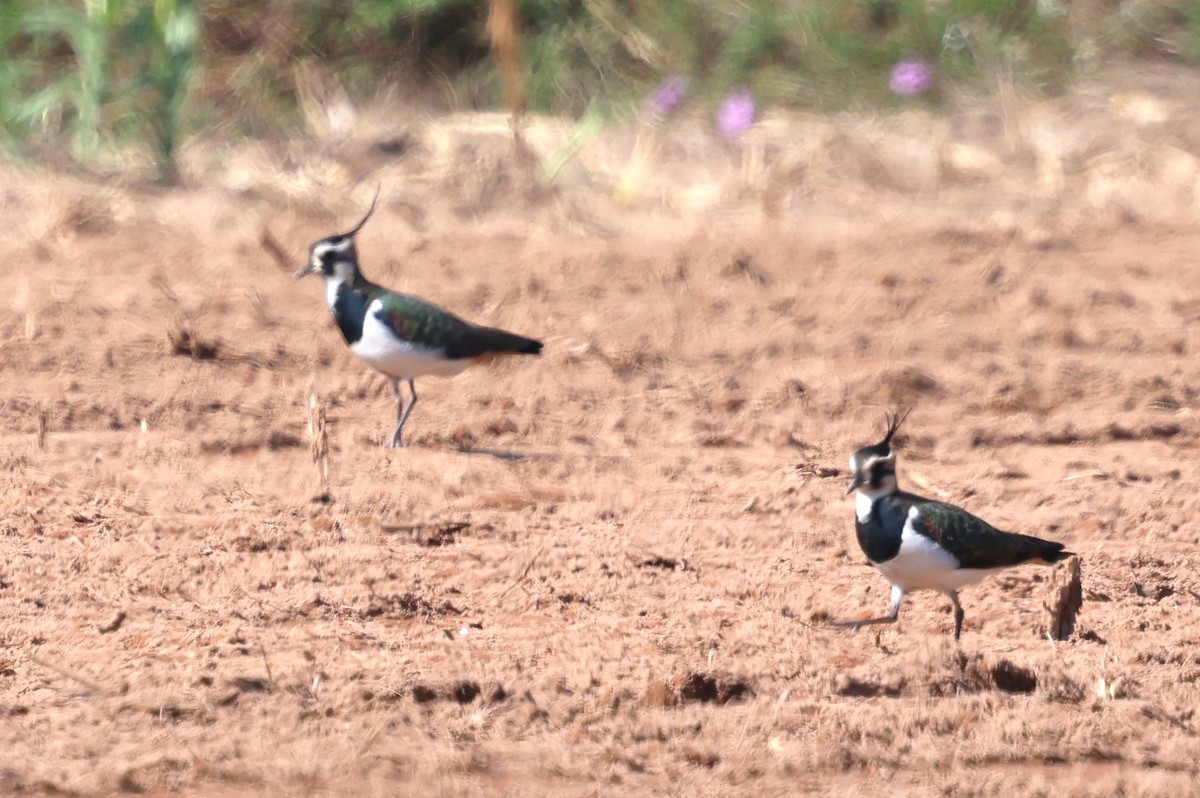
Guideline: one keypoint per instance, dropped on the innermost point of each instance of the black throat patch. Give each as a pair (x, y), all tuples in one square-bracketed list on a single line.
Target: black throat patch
[(349, 310), (880, 535)]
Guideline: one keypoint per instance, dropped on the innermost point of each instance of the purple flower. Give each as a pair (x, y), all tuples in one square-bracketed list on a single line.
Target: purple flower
[(735, 114), (670, 93), (910, 78)]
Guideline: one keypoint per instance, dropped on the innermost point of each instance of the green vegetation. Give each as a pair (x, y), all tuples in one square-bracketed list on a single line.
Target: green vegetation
[(101, 75), (1156, 28), (97, 72)]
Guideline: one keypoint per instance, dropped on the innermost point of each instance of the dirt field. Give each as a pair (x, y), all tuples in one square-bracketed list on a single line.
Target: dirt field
[(605, 571)]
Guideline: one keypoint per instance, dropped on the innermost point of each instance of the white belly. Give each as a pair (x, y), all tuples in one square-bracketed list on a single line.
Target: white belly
[(381, 349), (923, 565)]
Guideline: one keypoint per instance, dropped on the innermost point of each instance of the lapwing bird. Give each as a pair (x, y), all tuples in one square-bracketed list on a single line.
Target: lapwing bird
[(922, 544), (399, 335)]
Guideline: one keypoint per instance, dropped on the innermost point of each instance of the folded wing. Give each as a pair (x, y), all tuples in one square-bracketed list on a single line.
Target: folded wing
[(976, 543), (419, 322)]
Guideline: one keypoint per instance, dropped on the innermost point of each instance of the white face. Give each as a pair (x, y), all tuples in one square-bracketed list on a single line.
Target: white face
[(866, 495), (874, 479), (333, 258), (868, 465), (864, 499)]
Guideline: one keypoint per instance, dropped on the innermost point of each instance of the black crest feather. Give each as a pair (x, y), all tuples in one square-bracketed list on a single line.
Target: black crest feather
[(894, 420), (370, 211)]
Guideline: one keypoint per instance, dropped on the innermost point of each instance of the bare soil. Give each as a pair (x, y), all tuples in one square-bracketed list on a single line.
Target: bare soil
[(606, 571)]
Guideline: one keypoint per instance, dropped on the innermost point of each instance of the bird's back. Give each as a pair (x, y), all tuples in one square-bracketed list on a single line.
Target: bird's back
[(974, 542), (419, 321)]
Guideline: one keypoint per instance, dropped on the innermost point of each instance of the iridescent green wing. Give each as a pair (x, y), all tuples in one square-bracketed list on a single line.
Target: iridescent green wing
[(973, 541), (419, 322), (424, 324)]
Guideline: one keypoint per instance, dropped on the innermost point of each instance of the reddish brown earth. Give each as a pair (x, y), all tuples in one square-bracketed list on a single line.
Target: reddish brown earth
[(605, 571)]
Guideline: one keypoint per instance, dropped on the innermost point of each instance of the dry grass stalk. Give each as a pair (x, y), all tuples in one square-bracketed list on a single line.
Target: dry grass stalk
[(92, 686), (429, 533), (644, 146), (22, 301), (1063, 600), (43, 427), (504, 31), (523, 575), (319, 438), (272, 247)]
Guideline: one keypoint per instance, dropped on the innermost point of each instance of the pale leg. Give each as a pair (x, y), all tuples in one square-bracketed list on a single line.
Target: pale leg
[(402, 411)]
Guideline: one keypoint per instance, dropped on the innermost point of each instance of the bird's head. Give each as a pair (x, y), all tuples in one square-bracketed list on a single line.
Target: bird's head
[(335, 257), (873, 468)]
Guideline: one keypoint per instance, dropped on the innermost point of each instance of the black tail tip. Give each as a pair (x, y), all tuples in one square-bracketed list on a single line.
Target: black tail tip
[(1057, 554), (531, 347)]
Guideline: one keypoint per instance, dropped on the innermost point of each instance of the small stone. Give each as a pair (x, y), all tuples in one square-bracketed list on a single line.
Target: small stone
[(968, 162), (1139, 107)]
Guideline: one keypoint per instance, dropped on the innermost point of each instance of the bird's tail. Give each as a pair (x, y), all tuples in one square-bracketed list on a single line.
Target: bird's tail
[(1047, 551), (502, 342)]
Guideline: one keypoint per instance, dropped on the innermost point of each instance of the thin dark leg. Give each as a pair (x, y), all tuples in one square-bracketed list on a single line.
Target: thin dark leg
[(893, 613), (958, 613), (402, 411)]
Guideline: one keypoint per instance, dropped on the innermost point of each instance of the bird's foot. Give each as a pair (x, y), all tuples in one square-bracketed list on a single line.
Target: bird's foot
[(853, 626), (857, 624)]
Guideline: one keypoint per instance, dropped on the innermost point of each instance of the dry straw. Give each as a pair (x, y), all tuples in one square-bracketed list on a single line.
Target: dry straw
[(318, 438)]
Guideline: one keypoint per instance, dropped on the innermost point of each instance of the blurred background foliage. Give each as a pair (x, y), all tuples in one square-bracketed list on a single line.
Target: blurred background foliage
[(97, 74)]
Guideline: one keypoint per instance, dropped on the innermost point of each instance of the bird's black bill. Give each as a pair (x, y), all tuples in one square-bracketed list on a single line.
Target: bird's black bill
[(855, 483), (303, 271)]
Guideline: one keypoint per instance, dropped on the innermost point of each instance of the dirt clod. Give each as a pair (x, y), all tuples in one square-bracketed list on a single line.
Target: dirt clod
[(465, 692), (712, 688), (187, 343), (1013, 678)]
